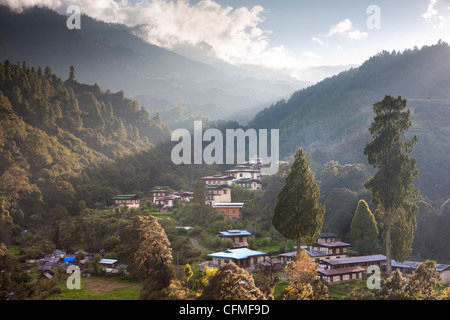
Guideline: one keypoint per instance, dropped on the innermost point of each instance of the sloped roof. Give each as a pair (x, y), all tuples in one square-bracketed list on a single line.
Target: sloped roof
[(332, 244), (358, 259), (245, 180), (218, 186), (228, 205), (108, 261), (125, 197), (218, 177), (415, 264), (237, 254), (230, 233), (339, 271)]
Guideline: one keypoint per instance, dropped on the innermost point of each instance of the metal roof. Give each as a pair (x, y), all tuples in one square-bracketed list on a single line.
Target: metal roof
[(245, 180), (217, 186), (237, 254), (358, 259), (230, 233), (332, 244), (327, 235), (339, 271), (228, 205), (415, 264), (218, 177), (108, 261), (311, 253), (125, 197)]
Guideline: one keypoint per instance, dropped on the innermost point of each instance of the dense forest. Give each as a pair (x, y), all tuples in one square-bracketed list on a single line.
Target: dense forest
[(52, 130)]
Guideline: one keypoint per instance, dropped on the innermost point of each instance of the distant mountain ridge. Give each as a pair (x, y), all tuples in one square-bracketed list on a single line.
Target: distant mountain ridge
[(331, 119), (114, 58)]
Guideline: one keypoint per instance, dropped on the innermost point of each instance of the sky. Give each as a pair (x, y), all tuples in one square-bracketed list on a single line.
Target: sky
[(285, 36)]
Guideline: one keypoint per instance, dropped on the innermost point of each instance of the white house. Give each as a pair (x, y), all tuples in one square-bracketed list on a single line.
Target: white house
[(131, 200), (248, 183), (244, 258)]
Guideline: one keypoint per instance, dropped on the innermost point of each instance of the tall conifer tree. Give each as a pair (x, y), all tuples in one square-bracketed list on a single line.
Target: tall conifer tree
[(392, 186), (364, 229), (298, 215)]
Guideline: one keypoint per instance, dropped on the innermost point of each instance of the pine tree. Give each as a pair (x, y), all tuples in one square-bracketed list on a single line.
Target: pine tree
[(72, 73), (199, 196), (363, 229), (392, 186), (298, 215)]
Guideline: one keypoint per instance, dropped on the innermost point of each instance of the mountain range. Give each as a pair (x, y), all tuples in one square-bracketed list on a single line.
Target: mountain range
[(112, 56), (329, 119)]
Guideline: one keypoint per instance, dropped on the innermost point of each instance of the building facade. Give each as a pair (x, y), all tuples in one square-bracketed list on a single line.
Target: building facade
[(232, 211), (217, 193), (238, 237), (130, 201)]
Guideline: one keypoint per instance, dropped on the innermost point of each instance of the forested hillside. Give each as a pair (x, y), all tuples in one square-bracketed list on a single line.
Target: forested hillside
[(112, 56), (52, 130), (330, 119)]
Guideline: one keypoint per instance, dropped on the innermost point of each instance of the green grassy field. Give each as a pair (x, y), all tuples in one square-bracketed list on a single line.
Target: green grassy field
[(96, 288), (340, 290)]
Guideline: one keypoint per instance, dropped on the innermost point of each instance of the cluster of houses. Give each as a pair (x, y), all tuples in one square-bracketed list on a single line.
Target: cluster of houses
[(217, 187), (333, 264), (45, 265), (164, 198)]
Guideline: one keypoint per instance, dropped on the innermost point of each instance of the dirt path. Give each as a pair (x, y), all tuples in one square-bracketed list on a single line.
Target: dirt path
[(196, 245)]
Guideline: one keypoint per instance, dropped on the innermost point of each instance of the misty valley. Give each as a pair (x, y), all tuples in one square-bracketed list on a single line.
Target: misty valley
[(143, 174)]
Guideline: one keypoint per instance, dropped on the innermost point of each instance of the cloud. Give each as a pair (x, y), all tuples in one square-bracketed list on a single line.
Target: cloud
[(345, 28), (434, 16), (232, 34), (431, 11), (315, 39)]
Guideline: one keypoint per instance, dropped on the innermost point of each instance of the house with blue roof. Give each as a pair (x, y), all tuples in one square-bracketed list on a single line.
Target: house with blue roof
[(238, 237), (243, 257)]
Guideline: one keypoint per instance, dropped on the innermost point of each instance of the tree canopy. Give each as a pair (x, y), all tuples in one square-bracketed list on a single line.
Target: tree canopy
[(298, 215), (392, 186)]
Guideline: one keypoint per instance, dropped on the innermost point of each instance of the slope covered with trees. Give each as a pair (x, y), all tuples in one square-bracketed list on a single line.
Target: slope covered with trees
[(51, 130), (330, 119)]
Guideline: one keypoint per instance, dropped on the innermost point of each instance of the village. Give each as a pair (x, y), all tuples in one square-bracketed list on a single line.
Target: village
[(334, 264)]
